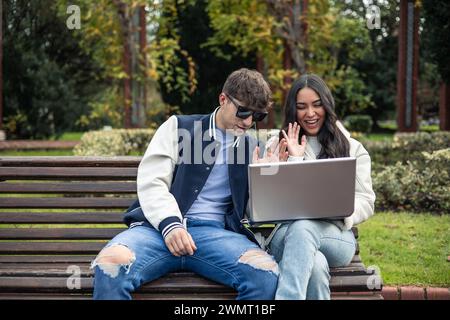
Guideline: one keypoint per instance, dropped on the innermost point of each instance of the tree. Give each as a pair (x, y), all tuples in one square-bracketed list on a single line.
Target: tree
[(377, 67), (436, 34), (192, 26), (333, 43), (107, 32), (48, 79), (437, 40)]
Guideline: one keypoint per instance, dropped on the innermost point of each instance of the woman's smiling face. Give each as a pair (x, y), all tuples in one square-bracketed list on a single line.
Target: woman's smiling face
[(310, 111)]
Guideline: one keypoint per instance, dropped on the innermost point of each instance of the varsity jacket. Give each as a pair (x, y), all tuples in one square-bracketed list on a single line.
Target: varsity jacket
[(175, 168)]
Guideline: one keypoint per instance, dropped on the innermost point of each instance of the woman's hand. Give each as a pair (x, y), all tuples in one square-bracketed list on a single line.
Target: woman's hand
[(294, 148)]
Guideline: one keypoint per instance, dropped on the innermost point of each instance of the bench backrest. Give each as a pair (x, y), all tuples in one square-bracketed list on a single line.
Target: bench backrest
[(64, 205)]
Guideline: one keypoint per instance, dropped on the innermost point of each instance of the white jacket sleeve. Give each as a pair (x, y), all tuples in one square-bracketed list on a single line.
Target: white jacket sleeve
[(154, 177), (364, 195)]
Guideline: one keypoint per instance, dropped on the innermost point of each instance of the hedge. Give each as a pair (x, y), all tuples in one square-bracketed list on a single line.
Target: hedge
[(115, 142)]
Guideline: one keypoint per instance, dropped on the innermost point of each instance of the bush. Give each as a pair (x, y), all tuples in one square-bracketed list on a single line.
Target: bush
[(405, 146), (418, 185), (116, 142), (359, 123)]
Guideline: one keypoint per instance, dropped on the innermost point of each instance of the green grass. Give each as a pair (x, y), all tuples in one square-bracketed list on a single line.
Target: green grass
[(409, 249), (429, 128), (392, 126), (388, 125), (69, 136)]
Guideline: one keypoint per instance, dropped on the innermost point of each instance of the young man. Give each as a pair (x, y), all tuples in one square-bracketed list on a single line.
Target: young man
[(193, 192)]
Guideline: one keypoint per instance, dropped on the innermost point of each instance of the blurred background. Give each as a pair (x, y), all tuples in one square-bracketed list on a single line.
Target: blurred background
[(98, 77), (83, 65)]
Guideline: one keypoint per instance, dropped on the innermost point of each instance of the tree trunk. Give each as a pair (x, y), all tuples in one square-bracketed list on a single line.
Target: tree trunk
[(444, 107), (125, 21)]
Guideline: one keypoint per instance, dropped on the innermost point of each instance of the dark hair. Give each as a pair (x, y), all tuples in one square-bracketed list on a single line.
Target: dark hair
[(334, 143), (249, 87)]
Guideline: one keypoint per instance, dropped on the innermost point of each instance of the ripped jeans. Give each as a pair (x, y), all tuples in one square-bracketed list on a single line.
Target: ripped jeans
[(223, 256)]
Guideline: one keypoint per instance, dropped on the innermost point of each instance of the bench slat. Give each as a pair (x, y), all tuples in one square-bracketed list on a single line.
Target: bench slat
[(188, 282), (72, 258), (176, 284), (59, 233), (70, 161), (69, 187), (60, 269), (167, 296), (61, 173), (61, 217), (136, 296), (67, 203), (51, 247), (41, 259)]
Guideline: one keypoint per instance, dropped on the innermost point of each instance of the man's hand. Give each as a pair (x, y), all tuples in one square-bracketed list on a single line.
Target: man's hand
[(179, 242), (274, 153)]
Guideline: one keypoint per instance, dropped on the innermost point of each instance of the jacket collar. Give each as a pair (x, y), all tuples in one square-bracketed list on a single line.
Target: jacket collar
[(212, 128)]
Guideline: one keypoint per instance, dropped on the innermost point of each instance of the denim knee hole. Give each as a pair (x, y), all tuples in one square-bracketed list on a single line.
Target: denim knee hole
[(114, 257), (259, 260)]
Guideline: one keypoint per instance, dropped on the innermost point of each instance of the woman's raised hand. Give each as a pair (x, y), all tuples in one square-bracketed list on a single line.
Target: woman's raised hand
[(291, 138)]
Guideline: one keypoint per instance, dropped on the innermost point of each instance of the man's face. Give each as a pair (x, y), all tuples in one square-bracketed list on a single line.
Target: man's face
[(227, 119)]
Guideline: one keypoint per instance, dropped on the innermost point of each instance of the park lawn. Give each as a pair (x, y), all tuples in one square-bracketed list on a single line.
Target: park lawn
[(408, 248), (68, 136)]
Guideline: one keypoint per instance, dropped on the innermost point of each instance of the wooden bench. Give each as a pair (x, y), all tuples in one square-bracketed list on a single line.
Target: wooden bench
[(57, 213)]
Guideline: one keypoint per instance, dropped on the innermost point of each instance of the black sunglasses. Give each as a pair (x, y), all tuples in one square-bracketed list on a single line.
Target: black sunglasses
[(244, 113)]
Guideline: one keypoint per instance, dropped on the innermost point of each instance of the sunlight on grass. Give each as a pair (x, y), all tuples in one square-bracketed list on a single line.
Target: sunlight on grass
[(69, 136), (410, 249)]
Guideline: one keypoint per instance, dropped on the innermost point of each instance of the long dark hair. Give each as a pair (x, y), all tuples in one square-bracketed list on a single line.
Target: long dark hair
[(334, 143)]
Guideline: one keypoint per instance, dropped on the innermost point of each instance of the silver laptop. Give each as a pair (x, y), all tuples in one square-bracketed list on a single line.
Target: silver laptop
[(310, 189)]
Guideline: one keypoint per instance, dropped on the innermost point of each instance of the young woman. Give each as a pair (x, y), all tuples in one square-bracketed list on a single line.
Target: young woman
[(305, 249)]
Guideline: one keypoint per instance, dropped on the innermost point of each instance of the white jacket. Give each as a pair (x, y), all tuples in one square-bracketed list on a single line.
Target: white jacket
[(364, 195)]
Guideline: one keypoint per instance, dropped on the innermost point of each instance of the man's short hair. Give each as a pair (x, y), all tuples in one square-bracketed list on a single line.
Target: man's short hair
[(249, 87)]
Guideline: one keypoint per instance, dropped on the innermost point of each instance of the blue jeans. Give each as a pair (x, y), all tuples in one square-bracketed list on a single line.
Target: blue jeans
[(223, 256), (305, 249)]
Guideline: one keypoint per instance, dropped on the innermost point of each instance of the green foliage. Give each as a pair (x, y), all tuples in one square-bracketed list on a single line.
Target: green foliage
[(436, 34), (192, 28), (405, 146), (334, 42), (106, 110), (418, 185), (105, 32), (411, 171), (377, 66), (359, 123), (117, 142), (48, 79)]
